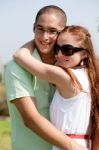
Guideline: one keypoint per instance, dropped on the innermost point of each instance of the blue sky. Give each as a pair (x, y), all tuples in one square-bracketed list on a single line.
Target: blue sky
[(17, 18)]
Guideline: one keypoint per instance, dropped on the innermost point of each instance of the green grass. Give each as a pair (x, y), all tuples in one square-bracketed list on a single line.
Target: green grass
[(5, 131), (5, 134)]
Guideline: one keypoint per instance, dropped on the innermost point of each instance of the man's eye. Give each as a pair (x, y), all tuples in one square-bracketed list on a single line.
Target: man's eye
[(53, 31), (40, 29)]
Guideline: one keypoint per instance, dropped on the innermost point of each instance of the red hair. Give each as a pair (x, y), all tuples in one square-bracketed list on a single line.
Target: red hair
[(82, 35)]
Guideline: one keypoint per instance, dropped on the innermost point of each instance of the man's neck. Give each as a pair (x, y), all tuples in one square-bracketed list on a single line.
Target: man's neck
[(47, 58)]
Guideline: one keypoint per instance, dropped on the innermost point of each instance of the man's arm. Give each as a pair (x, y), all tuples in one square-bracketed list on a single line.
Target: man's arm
[(41, 126)]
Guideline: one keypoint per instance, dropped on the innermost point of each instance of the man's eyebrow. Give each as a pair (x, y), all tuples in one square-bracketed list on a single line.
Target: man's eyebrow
[(51, 28), (39, 25)]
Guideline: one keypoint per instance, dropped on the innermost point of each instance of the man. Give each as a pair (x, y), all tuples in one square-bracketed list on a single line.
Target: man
[(28, 96)]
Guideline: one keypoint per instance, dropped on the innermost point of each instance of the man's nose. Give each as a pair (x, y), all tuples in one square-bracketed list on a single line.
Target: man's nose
[(45, 35)]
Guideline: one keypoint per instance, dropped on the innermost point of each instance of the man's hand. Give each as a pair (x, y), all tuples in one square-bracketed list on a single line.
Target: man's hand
[(76, 146)]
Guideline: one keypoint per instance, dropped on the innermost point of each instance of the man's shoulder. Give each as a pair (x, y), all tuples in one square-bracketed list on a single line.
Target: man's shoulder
[(16, 74), (12, 65), (13, 68), (28, 45)]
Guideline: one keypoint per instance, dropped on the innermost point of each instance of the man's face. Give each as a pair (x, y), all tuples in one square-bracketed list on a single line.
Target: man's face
[(46, 32)]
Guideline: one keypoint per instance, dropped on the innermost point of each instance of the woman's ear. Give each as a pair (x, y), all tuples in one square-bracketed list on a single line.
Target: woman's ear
[(84, 54), (84, 60)]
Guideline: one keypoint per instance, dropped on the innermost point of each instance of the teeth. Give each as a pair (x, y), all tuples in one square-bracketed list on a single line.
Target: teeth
[(44, 43)]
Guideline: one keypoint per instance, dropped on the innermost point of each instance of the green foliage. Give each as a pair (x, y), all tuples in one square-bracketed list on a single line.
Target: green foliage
[(3, 102), (0, 77), (2, 91), (3, 108)]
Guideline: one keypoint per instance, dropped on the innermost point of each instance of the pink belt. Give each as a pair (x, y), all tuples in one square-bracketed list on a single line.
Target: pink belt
[(78, 136)]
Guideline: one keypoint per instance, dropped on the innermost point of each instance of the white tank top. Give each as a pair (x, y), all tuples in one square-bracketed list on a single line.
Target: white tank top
[(71, 115)]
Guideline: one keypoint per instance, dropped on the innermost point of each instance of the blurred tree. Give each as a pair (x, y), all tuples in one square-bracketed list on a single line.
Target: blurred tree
[(98, 24), (2, 68), (0, 77)]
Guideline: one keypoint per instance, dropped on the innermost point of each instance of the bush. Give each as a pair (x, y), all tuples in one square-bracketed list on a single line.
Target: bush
[(3, 108)]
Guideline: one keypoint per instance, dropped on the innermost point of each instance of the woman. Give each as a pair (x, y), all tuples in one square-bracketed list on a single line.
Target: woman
[(75, 105)]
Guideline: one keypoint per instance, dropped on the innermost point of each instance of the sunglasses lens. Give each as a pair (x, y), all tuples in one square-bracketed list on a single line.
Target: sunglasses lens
[(67, 50), (56, 49)]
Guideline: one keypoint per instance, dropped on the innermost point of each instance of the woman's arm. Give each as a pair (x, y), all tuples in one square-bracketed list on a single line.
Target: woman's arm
[(47, 72), (27, 47)]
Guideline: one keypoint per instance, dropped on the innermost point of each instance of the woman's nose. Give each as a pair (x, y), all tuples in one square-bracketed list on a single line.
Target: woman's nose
[(59, 53)]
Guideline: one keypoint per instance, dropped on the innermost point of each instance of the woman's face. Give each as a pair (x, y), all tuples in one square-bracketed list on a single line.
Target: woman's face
[(64, 60)]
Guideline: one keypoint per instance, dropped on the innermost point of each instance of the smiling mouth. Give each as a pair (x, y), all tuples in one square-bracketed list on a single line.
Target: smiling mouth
[(66, 59), (45, 45)]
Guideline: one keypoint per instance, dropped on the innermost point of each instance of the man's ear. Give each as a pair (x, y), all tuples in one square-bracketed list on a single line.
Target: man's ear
[(34, 27)]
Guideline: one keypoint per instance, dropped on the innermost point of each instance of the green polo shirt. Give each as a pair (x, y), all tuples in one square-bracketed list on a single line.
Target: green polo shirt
[(20, 83)]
